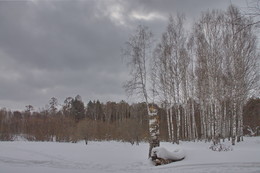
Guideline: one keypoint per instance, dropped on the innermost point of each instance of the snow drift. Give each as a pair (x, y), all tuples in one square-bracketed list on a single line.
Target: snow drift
[(175, 155), (161, 156)]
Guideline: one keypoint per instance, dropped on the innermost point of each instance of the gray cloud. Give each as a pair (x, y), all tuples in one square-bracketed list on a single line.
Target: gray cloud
[(65, 48)]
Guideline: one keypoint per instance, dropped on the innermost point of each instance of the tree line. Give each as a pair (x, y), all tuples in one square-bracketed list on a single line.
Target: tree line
[(75, 121)]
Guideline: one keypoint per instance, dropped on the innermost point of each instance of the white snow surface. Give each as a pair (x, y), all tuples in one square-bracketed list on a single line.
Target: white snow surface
[(101, 157)]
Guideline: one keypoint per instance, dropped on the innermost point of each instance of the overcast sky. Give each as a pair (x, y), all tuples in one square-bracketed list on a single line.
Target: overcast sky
[(64, 48)]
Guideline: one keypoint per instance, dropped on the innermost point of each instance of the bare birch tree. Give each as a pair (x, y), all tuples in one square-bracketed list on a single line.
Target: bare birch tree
[(138, 49), (226, 71), (240, 44), (174, 77)]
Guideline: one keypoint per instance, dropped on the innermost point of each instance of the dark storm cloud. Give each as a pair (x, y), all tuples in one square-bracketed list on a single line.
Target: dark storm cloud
[(65, 48), (57, 44), (55, 34)]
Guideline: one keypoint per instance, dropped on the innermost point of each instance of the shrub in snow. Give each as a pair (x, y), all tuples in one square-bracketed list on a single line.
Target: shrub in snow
[(220, 147), (252, 131)]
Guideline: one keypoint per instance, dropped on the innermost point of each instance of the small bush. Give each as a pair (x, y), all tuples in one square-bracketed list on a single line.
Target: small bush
[(220, 147)]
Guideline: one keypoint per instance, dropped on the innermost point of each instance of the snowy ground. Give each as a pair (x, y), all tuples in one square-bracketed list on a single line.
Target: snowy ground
[(98, 157)]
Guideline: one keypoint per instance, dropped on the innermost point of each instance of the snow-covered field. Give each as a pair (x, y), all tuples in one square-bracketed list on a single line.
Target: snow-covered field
[(98, 157)]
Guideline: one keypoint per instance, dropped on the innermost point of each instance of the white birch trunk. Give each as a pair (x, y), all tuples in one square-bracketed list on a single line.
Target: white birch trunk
[(194, 128), (234, 123), (178, 125), (153, 129), (169, 124), (172, 126)]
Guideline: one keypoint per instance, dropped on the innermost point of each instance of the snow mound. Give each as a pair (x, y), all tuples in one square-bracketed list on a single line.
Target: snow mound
[(175, 155)]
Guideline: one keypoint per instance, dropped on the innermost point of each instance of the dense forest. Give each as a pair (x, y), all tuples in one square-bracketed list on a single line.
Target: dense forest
[(76, 121)]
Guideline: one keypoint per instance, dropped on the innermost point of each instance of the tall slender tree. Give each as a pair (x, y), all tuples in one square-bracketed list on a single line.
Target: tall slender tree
[(138, 50)]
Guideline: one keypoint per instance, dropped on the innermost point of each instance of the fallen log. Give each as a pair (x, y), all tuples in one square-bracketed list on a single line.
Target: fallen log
[(161, 156)]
